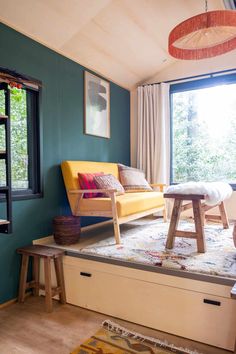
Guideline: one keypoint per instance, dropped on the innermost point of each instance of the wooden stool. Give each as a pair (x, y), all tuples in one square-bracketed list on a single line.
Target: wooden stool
[(199, 210), (47, 253)]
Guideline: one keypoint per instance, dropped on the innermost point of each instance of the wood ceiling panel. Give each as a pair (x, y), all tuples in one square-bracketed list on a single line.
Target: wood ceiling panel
[(77, 12), (38, 20), (147, 54), (93, 57), (124, 40)]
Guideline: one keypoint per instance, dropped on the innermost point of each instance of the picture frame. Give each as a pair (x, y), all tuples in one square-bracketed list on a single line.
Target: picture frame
[(96, 106)]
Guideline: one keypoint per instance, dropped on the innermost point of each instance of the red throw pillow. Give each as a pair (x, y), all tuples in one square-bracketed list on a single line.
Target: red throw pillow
[(86, 181)]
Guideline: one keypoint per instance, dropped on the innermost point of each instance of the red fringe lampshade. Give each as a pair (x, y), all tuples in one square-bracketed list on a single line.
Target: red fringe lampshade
[(204, 36)]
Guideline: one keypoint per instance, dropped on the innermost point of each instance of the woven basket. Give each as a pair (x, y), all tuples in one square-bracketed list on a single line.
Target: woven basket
[(66, 229)]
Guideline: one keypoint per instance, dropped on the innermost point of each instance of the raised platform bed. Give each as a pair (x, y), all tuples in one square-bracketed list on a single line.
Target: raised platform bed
[(192, 305)]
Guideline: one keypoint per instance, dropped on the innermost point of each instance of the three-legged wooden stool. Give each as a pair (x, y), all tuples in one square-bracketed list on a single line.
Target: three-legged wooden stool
[(199, 210), (48, 254)]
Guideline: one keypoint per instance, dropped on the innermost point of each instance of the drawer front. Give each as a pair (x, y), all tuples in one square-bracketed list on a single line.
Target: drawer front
[(206, 287), (194, 315)]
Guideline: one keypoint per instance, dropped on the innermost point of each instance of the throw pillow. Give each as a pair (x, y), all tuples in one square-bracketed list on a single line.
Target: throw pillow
[(133, 180), (86, 181), (109, 182)]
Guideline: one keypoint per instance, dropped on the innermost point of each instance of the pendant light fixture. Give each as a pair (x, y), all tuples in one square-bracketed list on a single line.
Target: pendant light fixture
[(204, 36)]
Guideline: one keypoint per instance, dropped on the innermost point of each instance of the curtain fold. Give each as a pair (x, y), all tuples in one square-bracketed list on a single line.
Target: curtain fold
[(153, 152)]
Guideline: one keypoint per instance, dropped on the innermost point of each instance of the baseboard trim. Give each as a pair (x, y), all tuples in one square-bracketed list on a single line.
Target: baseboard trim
[(95, 226), (8, 303), (12, 301), (49, 239)]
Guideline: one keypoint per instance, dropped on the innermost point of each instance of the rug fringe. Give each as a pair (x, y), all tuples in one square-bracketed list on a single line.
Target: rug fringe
[(125, 332)]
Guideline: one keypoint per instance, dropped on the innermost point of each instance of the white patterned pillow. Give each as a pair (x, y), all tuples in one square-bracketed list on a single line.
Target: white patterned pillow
[(133, 180), (109, 182)]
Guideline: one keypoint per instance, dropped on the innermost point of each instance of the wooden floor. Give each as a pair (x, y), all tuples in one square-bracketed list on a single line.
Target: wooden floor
[(26, 328)]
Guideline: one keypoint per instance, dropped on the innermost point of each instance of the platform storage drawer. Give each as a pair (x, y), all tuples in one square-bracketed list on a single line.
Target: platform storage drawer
[(188, 308)]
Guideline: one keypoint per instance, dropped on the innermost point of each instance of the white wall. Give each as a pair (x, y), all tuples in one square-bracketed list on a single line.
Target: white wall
[(180, 69), (185, 68)]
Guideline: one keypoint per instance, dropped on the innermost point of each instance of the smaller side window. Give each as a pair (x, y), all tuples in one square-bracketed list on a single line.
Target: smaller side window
[(22, 106)]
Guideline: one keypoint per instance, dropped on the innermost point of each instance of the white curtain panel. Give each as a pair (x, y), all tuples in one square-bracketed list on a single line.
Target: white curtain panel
[(153, 153)]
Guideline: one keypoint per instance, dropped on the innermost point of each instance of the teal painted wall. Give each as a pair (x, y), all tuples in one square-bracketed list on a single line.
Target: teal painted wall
[(62, 138)]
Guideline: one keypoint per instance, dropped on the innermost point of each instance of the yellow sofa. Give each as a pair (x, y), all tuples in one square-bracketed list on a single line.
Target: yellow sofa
[(121, 209)]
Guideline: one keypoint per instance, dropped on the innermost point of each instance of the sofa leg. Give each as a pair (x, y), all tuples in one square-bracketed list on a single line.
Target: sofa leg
[(115, 219), (164, 214), (116, 231)]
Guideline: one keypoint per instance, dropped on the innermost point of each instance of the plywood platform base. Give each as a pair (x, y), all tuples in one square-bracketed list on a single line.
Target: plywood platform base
[(197, 310)]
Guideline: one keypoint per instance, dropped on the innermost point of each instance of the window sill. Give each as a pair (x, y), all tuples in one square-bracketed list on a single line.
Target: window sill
[(16, 197), (22, 196)]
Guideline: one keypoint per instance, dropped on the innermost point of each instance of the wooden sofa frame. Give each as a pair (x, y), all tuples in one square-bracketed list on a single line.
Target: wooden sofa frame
[(113, 212)]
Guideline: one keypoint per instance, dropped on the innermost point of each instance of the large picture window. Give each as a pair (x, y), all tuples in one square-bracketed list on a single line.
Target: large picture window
[(203, 130), (24, 119)]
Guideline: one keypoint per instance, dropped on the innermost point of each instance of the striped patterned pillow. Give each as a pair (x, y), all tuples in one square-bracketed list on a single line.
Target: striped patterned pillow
[(86, 181), (109, 182), (133, 180)]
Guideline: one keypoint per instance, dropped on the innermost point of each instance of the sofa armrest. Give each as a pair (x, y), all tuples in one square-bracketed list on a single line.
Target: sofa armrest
[(82, 191), (160, 185)]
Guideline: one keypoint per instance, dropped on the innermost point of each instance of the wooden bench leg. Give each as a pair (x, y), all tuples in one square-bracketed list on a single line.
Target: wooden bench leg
[(115, 219), (203, 215), (198, 220), (48, 284), (36, 275), (116, 231), (60, 279), (173, 223), (164, 214), (223, 215), (23, 277)]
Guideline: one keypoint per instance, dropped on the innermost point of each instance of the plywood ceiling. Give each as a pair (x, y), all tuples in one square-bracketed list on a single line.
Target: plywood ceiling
[(123, 40)]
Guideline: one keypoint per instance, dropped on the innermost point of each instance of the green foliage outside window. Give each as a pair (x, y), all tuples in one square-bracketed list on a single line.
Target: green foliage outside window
[(204, 135), (19, 147)]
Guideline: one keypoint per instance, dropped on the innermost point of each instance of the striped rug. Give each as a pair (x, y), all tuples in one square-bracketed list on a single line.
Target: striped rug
[(114, 339)]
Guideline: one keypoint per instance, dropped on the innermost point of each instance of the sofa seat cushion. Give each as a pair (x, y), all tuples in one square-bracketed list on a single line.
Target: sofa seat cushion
[(127, 204)]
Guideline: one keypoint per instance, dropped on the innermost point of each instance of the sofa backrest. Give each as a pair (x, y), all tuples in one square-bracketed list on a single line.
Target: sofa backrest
[(70, 170)]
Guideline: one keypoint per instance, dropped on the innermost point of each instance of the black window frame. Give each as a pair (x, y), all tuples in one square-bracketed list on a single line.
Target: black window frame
[(33, 98), (213, 80)]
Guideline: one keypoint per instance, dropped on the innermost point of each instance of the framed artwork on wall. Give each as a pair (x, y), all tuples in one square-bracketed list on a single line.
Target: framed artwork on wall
[(96, 106)]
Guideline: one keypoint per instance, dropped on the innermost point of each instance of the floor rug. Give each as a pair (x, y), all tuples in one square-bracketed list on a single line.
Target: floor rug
[(114, 339), (143, 241)]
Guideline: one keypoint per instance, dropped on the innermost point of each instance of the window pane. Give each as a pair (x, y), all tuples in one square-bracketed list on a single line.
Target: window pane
[(2, 141), (204, 134), (19, 147)]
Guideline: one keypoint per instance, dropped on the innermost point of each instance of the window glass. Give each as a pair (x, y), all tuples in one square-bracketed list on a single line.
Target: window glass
[(204, 134), (19, 145), (24, 139)]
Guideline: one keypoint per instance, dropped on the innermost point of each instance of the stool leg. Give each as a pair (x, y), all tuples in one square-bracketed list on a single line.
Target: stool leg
[(198, 220), (223, 215), (48, 284), (23, 277), (164, 214), (203, 214), (173, 223), (36, 275), (60, 278)]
